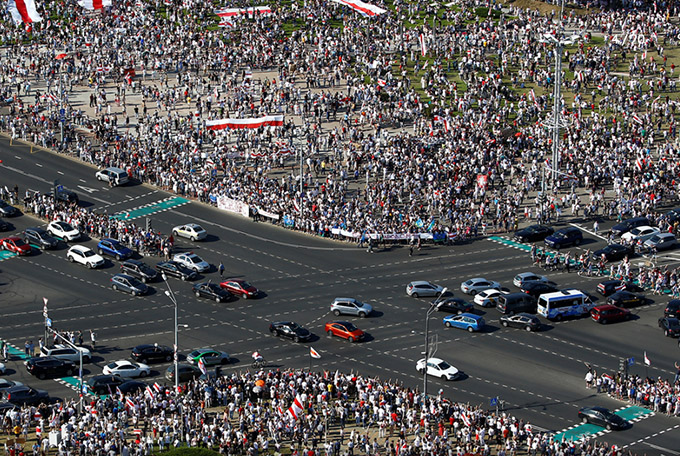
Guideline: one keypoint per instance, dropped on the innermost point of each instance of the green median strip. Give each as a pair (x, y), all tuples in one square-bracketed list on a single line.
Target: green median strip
[(577, 433), (5, 254), (152, 208), (633, 412)]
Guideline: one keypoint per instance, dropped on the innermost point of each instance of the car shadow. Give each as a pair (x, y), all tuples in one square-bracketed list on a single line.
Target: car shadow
[(546, 327), (96, 359), (367, 338), (211, 238), (9, 371), (376, 314), (462, 376), (105, 350), (488, 329)]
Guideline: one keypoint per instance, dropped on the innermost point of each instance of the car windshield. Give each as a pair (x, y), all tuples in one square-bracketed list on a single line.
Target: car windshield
[(443, 365), (655, 238), (194, 259), (64, 226), (350, 327), (88, 253), (112, 365), (198, 228), (294, 326), (560, 235)]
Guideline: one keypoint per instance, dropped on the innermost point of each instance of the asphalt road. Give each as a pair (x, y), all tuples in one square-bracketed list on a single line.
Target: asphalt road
[(538, 376)]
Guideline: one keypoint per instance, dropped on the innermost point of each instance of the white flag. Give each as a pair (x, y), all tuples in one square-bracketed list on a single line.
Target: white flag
[(23, 11)]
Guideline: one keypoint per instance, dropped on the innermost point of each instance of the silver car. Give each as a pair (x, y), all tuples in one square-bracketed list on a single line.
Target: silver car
[(661, 241), (350, 306)]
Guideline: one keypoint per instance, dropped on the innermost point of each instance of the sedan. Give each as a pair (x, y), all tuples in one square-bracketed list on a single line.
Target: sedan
[(477, 284), (39, 238), (609, 287), (139, 269), (25, 395), (613, 252), (240, 288), (533, 233), (174, 269), (521, 320), (488, 298), (601, 416), (607, 313), (453, 305), (290, 330), (63, 231), (423, 288), (84, 255), (670, 326), (626, 299), (191, 261), (49, 366), (131, 386), (155, 353), (209, 356), (127, 369), (128, 284), (467, 321), (536, 289), (211, 291), (187, 372), (6, 383), (345, 330), (526, 277), (8, 211), (16, 244), (437, 367), (104, 384), (350, 306), (113, 248), (190, 231), (641, 234), (672, 308)]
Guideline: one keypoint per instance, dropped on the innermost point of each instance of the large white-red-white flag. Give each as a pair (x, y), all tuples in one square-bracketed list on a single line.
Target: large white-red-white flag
[(229, 12), (94, 4), (23, 11), (314, 354), (256, 122), (295, 408), (362, 7)]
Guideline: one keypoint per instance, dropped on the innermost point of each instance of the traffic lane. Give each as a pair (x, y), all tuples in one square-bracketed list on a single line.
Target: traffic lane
[(657, 435)]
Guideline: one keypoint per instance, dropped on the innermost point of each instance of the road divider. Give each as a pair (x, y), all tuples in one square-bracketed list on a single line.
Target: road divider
[(152, 208)]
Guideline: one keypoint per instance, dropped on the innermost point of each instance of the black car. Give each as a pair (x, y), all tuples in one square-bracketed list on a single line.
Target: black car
[(670, 326), (65, 196), (290, 330), (148, 353), (609, 287), (5, 226), (601, 416), (104, 384), (47, 366), (6, 407), (174, 269), (673, 215), (626, 299), (627, 225), (186, 372), (536, 289), (25, 395), (672, 309), (564, 238), (40, 238), (131, 386), (521, 320), (211, 291), (613, 252), (139, 270), (8, 211), (453, 305), (533, 233)]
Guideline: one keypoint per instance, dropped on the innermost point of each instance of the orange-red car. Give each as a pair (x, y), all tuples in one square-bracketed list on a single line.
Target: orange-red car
[(344, 329), (16, 245)]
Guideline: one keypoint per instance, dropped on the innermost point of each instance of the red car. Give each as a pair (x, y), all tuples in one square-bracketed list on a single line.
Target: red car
[(344, 329), (607, 313), (16, 245), (240, 287)]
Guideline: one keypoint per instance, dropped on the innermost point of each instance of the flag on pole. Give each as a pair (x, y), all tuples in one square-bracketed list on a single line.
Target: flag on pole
[(23, 11), (94, 4), (201, 366), (295, 408), (157, 387), (466, 420), (314, 354), (130, 403), (149, 391), (647, 361), (423, 47)]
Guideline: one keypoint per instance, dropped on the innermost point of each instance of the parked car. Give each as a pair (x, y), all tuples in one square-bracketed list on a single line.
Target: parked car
[(639, 234), (175, 269), (564, 237), (25, 395), (609, 287), (626, 299), (40, 238), (62, 351), (240, 287), (191, 231), (453, 305), (128, 284), (521, 320), (48, 366), (467, 321), (127, 369), (147, 353), (423, 288), (608, 314), (345, 330), (291, 330), (672, 308), (8, 211), (627, 225), (526, 277), (63, 231), (601, 416), (16, 244), (661, 241), (113, 248), (536, 289), (533, 233), (209, 356), (84, 255), (104, 384), (187, 372), (613, 252), (437, 367), (139, 270), (670, 326), (211, 291), (477, 284), (350, 306)]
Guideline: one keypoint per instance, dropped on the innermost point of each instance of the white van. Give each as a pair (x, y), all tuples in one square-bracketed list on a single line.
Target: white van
[(564, 303), (113, 175)]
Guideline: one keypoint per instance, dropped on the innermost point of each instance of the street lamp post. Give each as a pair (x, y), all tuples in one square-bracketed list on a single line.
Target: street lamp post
[(432, 308), (80, 368), (172, 298)]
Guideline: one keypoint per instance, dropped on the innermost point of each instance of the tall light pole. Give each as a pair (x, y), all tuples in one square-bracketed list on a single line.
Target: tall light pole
[(432, 308), (80, 368), (172, 297)]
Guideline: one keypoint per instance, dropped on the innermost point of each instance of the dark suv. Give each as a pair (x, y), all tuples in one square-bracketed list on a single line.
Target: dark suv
[(139, 270), (66, 196), (148, 353), (627, 225), (104, 384), (39, 238), (564, 238), (25, 395), (47, 366)]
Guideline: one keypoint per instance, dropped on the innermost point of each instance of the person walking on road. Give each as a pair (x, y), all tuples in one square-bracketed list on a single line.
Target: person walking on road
[(93, 339), (220, 269)]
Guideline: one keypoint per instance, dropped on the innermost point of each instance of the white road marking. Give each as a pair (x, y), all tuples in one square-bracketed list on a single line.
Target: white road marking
[(39, 165), (17, 157), (59, 172), (657, 447), (588, 231)]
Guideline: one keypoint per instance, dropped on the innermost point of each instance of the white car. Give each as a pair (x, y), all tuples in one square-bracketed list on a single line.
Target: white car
[(438, 368), (488, 298), (192, 261), (2, 368), (525, 277), (190, 231), (127, 369), (641, 233), (63, 231), (65, 352), (477, 284), (84, 255)]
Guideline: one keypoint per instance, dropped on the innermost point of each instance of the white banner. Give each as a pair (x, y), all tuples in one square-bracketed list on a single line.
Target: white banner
[(270, 215), (231, 205)]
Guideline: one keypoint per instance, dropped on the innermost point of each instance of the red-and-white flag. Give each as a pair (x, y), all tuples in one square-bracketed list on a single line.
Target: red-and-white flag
[(636, 118), (157, 387), (639, 163), (362, 8), (231, 12), (466, 420), (130, 403), (256, 122), (23, 11), (295, 408), (201, 366), (382, 82), (647, 361), (149, 391), (94, 4), (314, 354), (423, 46)]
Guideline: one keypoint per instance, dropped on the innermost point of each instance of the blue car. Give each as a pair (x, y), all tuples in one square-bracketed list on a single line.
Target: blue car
[(565, 237), (468, 321), (114, 248)]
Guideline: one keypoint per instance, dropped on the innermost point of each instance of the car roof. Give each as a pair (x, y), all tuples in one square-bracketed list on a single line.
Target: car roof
[(434, 360), (135, 262), (123, 276), (606, 307), (471, 315), (420, 282)]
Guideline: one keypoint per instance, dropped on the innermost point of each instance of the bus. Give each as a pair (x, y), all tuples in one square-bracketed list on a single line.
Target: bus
[(565, 303)]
